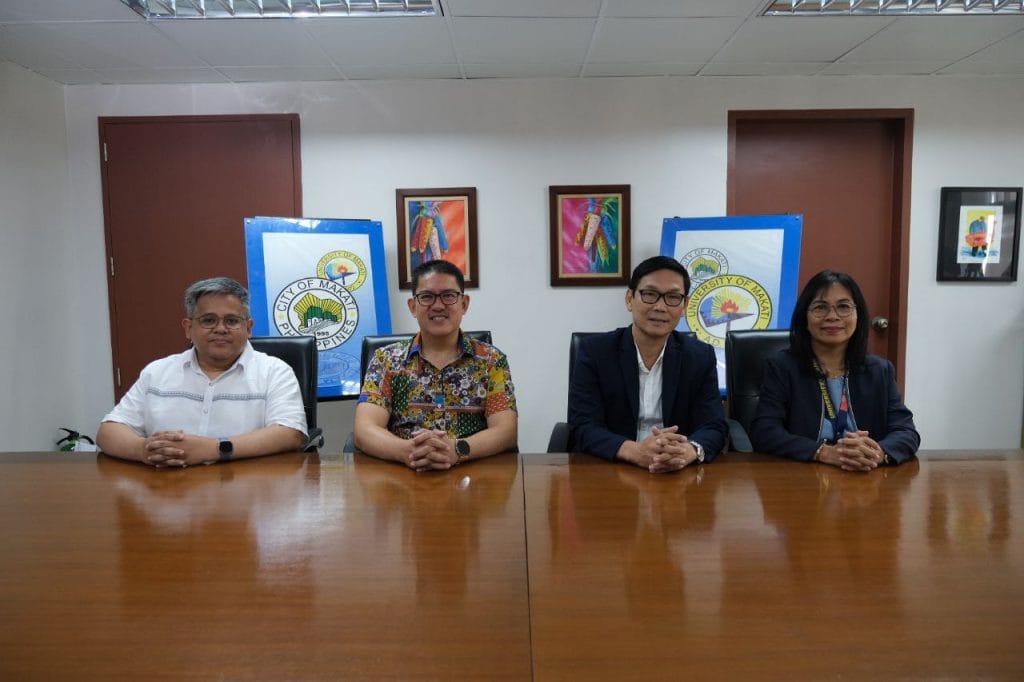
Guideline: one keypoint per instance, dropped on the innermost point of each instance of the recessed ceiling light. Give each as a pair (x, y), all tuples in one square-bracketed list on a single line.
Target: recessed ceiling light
[(832, 8), (277, 9)]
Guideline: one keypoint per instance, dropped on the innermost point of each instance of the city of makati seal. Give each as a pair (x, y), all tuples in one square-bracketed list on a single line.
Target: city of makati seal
[(317, 307)]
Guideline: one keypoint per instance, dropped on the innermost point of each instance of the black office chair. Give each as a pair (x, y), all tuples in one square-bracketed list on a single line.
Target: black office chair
[(745, 354), (561, 434), (301, 355), (370, 346)]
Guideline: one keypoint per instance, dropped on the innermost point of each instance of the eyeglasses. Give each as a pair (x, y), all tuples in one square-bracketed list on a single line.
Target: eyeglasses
[(650, 297), (232, 322), (821, 309), (427, 298)]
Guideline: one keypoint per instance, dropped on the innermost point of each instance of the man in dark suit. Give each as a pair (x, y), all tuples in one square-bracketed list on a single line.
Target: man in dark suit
[(647, 394)]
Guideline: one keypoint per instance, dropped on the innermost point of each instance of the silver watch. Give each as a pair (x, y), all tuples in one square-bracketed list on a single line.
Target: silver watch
[(700, 451)]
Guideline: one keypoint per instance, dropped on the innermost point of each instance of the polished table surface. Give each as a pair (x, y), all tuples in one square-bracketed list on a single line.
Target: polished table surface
[(519, 567)]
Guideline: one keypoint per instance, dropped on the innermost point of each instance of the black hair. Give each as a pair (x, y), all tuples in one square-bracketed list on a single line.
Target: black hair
[(800, 336), (442, 267), (655, 263)]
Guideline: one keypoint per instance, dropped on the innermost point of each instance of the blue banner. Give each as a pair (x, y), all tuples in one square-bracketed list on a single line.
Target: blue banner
[(744, 273), (323, 278)]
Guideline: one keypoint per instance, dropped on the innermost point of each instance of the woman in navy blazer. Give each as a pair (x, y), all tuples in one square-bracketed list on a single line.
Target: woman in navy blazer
[(826, 399)]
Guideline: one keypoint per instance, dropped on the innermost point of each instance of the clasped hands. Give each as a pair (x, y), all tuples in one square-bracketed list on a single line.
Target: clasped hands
[(178, 449), (855, 451), (665, 450), (430, 449)]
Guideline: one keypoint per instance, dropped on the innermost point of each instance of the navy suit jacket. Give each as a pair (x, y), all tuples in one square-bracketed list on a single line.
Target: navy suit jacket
[(604, 396), (790, 409)]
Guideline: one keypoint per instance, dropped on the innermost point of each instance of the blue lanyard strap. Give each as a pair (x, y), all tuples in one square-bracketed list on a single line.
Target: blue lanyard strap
[(839, 418)]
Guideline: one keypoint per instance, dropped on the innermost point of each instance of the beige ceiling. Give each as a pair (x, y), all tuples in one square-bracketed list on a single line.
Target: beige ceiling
[(102, 41)]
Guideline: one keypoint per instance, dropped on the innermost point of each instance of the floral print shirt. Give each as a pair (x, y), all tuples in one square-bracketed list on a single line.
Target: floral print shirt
[(456, 399)]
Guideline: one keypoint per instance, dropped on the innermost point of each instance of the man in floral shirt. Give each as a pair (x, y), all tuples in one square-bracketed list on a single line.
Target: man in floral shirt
[(442, 398)]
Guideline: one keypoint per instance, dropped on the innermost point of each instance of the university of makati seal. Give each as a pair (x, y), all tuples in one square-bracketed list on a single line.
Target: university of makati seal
[(704, 263), (725, 303), (317, 307)]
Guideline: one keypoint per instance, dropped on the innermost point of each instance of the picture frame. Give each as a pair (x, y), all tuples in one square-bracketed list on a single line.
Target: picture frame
[(979, 234), (438, 222), (590, 235)]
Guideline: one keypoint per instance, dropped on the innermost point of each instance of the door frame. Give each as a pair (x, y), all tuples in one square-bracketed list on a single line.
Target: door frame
[(102, 123), (900, 239)]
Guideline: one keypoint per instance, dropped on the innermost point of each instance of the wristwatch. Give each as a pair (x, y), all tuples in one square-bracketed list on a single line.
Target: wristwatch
[(226, 449), (462, 450), (700, 451)]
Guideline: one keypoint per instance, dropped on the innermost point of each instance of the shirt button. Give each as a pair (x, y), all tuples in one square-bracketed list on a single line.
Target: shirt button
[(206, 411)]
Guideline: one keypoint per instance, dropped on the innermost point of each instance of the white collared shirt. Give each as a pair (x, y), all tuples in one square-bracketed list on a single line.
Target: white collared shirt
[(174, 394), (649, 412)]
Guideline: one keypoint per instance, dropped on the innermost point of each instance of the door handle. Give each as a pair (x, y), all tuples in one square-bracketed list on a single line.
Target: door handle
[(880, 323)]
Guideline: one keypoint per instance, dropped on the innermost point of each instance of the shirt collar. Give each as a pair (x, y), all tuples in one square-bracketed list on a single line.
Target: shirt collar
[(464, 341), (640, 358), (191, 361)]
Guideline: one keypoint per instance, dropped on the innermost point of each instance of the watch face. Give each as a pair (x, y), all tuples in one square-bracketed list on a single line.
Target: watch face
[(226, 447), (462, 447)]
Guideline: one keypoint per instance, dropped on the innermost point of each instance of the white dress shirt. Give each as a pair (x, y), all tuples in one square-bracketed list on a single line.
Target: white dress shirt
[(173, 394), (649, 413)]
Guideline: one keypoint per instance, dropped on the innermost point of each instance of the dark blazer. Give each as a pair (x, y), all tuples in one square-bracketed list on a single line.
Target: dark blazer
[(604, 397), (790, 410)]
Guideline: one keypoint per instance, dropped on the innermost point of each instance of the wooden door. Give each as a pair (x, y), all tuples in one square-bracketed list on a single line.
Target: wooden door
[(848, 173), (175, 193)]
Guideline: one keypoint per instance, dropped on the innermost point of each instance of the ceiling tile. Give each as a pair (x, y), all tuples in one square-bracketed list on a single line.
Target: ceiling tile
[(660, 40), (522, 70), (280, 74), (138, 76), (1007, 51), (378, 41), (641, 69), (523, 41), (882, 68), (522, 8), (254, 42), (70, 76), (985, 68), (66, 10), (798, 39), (402, 71), (93, 45), (762, 69), (934, 38), (680, 8)]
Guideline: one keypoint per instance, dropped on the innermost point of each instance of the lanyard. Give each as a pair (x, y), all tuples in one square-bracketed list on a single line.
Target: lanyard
[(839, 418)]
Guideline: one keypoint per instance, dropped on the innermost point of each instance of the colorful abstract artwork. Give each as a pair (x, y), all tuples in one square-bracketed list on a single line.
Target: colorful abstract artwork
[(589, 235), (437, 224)]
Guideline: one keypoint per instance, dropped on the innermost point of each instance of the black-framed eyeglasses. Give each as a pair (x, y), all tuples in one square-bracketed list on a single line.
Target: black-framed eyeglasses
[(232, 322), (427, 298), (821, 309), (672, 298)]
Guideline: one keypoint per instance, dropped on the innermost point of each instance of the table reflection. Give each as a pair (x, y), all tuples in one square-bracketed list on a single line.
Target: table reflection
[(178, 528), (439, 516)]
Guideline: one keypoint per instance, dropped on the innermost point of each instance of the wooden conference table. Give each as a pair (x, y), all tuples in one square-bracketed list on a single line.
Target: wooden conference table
[(518, 567)]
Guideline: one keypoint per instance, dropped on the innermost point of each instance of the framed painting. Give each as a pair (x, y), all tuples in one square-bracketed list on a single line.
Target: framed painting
[(589, 235), (979, 234), (437, 223)]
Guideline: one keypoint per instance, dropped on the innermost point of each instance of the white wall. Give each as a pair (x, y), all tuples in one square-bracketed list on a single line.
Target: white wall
[(665, 137), (36, 266)]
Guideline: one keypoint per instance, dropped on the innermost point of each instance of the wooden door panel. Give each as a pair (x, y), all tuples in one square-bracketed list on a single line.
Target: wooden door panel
[(846, 175), (176, 191)]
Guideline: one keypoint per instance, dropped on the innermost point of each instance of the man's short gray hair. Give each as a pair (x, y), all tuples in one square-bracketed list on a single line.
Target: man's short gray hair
[(215, 285)]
